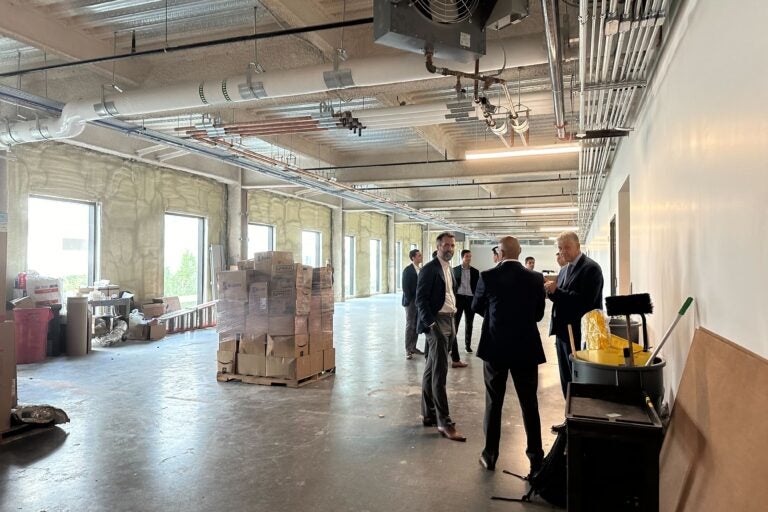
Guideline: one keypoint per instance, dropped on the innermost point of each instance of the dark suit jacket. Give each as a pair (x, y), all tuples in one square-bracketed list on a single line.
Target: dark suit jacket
[(474, 277), (580, 293), (430, 293), (410, 277), (513, 297)]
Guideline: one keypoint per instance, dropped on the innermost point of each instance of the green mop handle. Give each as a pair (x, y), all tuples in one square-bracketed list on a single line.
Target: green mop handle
[(664, 339)]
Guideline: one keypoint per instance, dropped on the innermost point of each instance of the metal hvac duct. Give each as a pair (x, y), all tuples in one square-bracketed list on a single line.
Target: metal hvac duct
[(521, 51)]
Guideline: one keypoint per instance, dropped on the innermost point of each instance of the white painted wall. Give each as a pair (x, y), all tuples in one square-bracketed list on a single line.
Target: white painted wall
[(698, 172), (544, 254)]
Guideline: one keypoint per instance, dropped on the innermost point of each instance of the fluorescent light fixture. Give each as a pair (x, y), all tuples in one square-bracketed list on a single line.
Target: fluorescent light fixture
[(545, 211), (554, 209), (528, 151), (557, 229)]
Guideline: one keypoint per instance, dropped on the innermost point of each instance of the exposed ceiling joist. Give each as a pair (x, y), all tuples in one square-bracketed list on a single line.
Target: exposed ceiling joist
[(29, 26)]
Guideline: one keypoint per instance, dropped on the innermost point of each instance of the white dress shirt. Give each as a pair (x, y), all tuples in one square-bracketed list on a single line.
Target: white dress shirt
[(449, 306)]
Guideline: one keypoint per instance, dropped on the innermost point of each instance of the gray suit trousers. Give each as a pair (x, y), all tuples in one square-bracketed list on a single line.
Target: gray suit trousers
[(434, 400), (411, 319)]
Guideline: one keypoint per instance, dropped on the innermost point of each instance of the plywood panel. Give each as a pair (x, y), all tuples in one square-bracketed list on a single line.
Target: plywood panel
[(715, 454)]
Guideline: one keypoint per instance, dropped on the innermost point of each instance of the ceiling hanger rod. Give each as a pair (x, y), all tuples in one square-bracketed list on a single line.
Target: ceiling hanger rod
[(193, 46)]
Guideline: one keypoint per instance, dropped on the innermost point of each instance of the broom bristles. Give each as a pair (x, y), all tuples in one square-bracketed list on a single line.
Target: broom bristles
[(638, 303)]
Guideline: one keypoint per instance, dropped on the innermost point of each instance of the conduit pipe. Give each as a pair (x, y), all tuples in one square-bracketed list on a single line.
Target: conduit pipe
[(375, 71), (555, 56)]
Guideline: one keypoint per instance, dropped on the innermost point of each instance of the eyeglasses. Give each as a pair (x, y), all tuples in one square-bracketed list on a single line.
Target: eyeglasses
[(495, 250)]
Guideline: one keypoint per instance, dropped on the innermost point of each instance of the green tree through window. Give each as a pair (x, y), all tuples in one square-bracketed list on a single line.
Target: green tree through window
[(183, 282)]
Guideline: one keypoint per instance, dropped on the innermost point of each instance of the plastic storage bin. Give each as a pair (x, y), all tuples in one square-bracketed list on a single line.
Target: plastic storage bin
[(31, 334)]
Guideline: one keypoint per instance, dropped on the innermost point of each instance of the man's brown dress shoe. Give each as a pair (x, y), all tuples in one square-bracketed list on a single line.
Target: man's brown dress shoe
[(450, 433), (459, 364)]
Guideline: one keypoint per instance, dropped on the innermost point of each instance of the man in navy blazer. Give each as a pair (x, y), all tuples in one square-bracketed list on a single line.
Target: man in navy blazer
[(578, 290), (512, 298), (410, 278), (436, 304)]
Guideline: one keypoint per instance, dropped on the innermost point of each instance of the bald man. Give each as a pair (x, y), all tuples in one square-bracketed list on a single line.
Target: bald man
[(513, 298), (578, 290)]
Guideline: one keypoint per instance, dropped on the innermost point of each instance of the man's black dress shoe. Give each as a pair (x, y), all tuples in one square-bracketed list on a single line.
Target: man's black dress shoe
[(490, 466)]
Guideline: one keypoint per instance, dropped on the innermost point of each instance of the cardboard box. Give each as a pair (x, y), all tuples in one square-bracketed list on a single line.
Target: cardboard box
[(315, 322), (256, 325), (329, 358), (281, 367), (7, 374), (288, 346), (289, 367), (252, 364), (326, 321), (138, 332), (274, 257), (233, 284), (258, 293), (172, 304), (153, 310), (287, 325), (320, 340), (230, 318), (228, 346), (157, 332), (290, 277), (288, 302), (316, 362), (322, 278), (23, 303), (226, 361), (245, 265), (327, 337), (254, 346)]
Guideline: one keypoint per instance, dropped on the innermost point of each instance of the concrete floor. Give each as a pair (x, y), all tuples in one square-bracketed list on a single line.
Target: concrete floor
[(152, 429)]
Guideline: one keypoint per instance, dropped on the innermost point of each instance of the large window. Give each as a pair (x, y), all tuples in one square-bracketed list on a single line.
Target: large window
[(261, 238), (399, 263), (184, 258), (311, 248), (375, 254), (61, 241), (349, 266)]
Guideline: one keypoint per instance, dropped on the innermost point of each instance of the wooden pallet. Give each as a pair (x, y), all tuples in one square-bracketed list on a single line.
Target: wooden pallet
[(17, 432), (270, 381)]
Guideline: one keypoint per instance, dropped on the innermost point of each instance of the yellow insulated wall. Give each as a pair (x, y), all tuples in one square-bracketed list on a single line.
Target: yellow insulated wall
[(406, 234), (290, 217), (365, 227), (133, 198)]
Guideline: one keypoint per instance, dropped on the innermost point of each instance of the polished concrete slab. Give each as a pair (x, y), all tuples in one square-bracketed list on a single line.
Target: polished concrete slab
[(152, 429)]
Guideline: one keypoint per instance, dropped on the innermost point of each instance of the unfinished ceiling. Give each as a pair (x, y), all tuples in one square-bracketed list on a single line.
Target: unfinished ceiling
[(394, 143)]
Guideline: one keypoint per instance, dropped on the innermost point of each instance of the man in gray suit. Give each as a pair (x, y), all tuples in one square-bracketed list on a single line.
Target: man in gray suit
[(410, 278), (578, 290)]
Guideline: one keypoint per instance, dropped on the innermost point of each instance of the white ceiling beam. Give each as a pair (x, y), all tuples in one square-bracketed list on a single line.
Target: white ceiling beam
[(460, 170), (32, 27), (296, 13), (104, 140)]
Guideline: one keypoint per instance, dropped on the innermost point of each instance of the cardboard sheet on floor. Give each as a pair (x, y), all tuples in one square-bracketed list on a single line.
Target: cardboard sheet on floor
[(714, 455)]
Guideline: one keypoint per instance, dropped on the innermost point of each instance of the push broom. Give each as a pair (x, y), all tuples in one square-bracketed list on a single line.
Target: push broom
[(664, 339), (628, 305)]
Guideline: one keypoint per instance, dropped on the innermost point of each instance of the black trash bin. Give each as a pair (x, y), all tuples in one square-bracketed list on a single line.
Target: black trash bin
[(614, 440), (618, 327), (54, 332)]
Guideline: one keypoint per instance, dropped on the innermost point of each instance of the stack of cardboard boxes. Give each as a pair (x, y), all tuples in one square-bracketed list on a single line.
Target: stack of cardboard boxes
[(263, 320), (321, 320), (7, 374)]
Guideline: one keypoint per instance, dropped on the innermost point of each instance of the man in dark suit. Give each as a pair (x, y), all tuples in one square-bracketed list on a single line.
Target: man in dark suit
[(410, 278), (465, 276), (513, 297), (436, 304), (578, 290)]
